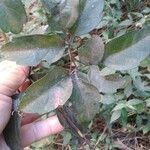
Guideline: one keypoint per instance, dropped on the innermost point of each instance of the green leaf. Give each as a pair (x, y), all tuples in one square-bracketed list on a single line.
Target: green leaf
[(104, 84), (128, 89), (91, 53), (85, 98), (30, 50), (131, 107), (90, 16), (50, 4), (115, 115), (134, 102), (146, 62), (66, 137), (107, 99), (63, 14), (12, 16), (146, 128), (147, 102), (140, 85), (48, 93), (127, 22), (128, 50), (119, 106)]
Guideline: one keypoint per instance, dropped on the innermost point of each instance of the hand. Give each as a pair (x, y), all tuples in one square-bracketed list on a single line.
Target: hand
[(11, 77)]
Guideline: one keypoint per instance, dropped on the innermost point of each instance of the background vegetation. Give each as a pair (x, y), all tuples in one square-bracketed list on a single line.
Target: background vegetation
[(121, 117)]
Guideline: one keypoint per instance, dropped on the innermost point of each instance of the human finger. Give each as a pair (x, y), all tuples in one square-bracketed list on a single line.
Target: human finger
[(38, 130), (11, 77), (29, 118)]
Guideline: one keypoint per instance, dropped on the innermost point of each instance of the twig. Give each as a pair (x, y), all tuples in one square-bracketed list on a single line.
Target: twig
[(71, 124), (71, 59), (122, 146), (70, 53), (101, 136)]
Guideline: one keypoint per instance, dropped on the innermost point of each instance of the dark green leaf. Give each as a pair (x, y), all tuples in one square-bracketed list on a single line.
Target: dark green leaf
[(103, 84), (12, 132), (85, 98), (90, 16), (120, 43), (12, 16), (62, 14), (30, 50), (124, 117), (92, 51), (131, 49), (48, 93), (139, 121)]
